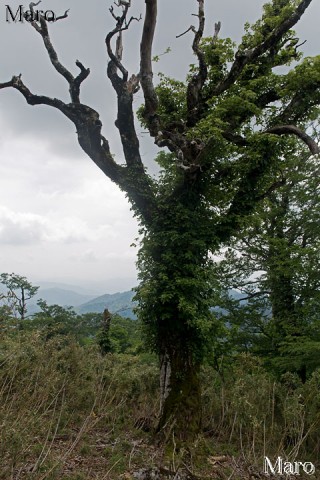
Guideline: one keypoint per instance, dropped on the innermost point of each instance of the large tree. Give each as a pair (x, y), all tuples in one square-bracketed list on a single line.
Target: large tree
[(274, 264), (221, 135)]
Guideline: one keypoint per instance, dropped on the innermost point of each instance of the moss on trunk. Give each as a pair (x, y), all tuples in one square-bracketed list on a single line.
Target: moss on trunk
[(180, 412)]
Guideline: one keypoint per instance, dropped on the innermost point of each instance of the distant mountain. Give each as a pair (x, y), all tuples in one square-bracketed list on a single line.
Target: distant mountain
[(57, 296), (117, 303), (122, 303), (94, 288), (62, 297), (93, 292)]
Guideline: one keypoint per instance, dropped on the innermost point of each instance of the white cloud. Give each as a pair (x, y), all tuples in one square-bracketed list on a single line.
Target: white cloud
[(18, 228)]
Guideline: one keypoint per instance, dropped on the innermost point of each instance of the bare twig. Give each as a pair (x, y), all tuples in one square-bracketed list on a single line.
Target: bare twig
[(61, 17), (191, 28), (74, 83)]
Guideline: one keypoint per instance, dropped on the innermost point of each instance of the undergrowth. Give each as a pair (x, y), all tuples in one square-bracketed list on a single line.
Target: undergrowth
[(69, 413)]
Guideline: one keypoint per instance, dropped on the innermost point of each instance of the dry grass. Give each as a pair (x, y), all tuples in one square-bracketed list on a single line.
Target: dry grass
[(67, 413)]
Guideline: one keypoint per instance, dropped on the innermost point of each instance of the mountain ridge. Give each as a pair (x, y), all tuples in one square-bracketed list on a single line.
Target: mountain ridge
[(120, 302)]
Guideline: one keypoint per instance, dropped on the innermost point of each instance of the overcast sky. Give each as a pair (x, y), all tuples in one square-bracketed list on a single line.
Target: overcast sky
[(61, 219)]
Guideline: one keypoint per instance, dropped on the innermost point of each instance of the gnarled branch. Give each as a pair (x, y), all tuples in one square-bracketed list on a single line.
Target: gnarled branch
[(86, 121), (74, 83), (293, 130), (122, 24), (32, 99)]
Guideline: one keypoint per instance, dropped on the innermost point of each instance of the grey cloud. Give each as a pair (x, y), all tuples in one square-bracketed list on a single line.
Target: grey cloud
[(19, 229), (82, 36), (53, 172)]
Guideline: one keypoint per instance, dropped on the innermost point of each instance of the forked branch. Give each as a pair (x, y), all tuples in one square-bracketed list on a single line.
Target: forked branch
[(32, 99), (122, 24), (74, 82), (86, 121)]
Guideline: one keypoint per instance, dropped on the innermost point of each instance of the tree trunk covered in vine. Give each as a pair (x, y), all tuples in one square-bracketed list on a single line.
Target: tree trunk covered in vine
[(174, 296)]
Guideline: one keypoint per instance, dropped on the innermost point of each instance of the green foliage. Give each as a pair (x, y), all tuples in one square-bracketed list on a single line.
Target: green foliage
[(239, 163), (124, 336), (274, 263), (172, 102)]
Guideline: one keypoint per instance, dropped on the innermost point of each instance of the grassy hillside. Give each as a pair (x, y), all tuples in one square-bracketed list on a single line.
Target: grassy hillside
[(69, 413)]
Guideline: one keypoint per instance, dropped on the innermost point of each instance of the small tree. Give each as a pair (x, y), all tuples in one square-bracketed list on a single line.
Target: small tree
[(222, 132), (19, 291), (104, 341)]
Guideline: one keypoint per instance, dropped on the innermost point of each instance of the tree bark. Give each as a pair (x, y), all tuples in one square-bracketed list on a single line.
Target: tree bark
[(180, 396)]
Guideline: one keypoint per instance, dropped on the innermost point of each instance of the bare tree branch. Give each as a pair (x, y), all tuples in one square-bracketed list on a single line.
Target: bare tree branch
[(242, 58), (146, 73), (115, 58), (74, 83), (217, 28), (75, 87), (125, 90), (190, 29), (87, 123), (293, 130), (194, 100), (32, 99), (60, 17)]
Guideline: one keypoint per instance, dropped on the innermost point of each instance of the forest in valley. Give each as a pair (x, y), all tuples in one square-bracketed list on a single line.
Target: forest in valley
[(219, 367)]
